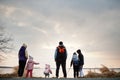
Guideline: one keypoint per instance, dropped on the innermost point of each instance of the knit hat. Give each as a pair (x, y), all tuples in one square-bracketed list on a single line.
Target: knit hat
[(30, 57), (24, 45)]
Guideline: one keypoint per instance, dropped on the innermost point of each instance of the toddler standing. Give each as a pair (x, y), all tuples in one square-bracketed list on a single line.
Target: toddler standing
[(47, 71), (30, 66)]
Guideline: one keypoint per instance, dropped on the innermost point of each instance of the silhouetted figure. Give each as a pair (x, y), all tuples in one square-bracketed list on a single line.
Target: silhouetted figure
[(60, 59), (81, 62), (23, 56), (75, 63)]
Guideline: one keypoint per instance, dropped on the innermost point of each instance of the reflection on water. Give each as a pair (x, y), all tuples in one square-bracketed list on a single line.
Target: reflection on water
[(39, 71), (6, 70)]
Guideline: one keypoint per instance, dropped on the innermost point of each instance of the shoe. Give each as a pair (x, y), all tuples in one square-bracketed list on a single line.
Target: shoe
[(56, 77)]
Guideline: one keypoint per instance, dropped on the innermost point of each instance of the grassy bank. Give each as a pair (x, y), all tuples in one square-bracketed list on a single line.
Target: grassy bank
[(105, 72)]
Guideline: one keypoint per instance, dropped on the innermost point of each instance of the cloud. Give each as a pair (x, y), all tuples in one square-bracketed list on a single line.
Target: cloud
[(7, 10), (21, 24), (92, 26), (41, 30), (78, 25)]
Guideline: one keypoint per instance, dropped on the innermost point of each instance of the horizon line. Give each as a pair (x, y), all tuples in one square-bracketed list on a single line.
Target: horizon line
[(67, 67)]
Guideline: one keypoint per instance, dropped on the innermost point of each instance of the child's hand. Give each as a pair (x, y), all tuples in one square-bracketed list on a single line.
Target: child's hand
[(38, 63), (50, 71)]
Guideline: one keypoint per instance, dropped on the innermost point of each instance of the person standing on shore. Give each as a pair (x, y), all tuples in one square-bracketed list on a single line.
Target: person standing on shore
[(60, 59), (23, 56), (30, 66), (47, 71), (81, 62), (75, 63)]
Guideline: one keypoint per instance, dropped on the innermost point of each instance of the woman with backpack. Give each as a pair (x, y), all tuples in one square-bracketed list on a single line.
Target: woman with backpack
[(75, 64)]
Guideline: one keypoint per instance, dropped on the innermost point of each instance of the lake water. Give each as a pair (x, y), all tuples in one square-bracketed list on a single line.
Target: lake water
[(39, 71)]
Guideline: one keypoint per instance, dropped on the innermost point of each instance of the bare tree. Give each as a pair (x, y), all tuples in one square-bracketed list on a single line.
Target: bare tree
[(5, 41)]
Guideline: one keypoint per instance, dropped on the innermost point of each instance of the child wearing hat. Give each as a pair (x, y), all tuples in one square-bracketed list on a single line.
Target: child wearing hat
[(30, 66), (47, 71)]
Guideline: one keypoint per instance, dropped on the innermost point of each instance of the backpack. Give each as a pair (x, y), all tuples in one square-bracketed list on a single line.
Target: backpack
[(75, 60), (61, 49)]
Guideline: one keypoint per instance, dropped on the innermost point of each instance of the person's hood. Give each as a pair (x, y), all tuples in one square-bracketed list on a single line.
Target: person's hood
[(24, 45)]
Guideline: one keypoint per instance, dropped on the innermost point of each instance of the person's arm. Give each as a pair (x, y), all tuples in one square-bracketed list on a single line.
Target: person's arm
[(26, 54), (83, 60), (26, 67), (66, 54), (71, 63), (55, 55), (35, 63), (50, 71)]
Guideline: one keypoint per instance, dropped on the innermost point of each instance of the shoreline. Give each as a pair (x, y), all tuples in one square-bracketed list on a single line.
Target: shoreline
[(118, 78)]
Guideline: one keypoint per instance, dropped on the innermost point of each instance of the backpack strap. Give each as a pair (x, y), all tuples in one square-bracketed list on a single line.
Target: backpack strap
[(61, 49)]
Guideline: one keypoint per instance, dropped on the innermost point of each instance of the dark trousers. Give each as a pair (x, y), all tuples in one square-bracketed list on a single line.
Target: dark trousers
[(76, 71), (21, 68), (63, 64)]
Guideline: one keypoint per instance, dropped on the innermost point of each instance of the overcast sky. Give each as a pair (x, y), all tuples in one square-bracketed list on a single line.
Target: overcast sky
[(90, 25)]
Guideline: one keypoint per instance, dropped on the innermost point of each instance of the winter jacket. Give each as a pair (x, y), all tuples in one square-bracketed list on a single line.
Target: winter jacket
[(30, 65), (74, 60), (22, 54), (60, 57), (81, 59), (47, 69)]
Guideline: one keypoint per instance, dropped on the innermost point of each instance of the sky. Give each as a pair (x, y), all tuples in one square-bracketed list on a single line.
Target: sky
[(90, 25)]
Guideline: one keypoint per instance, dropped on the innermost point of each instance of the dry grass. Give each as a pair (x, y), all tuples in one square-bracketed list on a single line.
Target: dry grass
[(91, 74), (104, 72), (13, 74)]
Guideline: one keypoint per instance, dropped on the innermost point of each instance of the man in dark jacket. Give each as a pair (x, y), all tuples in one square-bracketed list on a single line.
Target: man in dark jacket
[(60, 59), (81, 61), (23, 56)]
